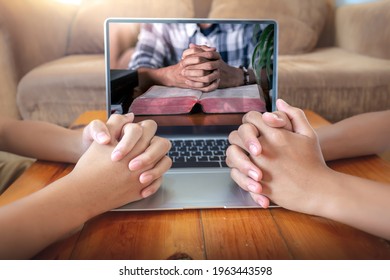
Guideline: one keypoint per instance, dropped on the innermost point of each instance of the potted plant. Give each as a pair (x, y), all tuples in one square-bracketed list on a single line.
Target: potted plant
[(262, 59)]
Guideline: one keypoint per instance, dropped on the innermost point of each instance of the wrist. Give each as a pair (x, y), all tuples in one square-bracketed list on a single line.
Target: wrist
[(329, 142), (65, 195), (245, 75), (326, 194), (166, 76), (75, 145), (77, 192)]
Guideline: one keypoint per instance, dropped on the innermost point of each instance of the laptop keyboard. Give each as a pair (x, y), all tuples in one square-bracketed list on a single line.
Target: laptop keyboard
[(198, 153)]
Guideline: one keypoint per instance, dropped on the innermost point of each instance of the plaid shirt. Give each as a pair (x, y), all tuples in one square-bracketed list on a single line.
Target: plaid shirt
[(162, 44)]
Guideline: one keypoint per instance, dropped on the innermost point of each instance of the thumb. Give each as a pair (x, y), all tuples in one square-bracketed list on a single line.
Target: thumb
[(299, 122), (97, 131)]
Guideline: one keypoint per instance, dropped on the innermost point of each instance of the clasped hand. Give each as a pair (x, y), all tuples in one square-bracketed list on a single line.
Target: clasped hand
[(276, 156), (203, 69), (124, 161)]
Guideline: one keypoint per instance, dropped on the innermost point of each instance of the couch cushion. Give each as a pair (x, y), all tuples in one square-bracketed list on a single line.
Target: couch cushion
[(334, 82), (365, 28), (59, 91), (36, 30), (300, 21), (87, 33)]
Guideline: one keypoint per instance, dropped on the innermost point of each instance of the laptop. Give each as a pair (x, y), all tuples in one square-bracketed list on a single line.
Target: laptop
[(199, 177)]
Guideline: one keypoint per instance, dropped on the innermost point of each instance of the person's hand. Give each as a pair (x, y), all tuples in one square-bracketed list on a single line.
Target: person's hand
[(98, 131), (174, 75), (205, 70), (247, 135), (290, 162), (245, 142), (108, 184), (197, 71), (200, 68), (122, 130)]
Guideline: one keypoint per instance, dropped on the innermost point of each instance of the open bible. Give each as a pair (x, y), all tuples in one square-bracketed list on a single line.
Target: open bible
[(161, 100)]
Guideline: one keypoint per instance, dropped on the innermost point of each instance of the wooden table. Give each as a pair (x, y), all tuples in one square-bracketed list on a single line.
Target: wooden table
[(211, 234)]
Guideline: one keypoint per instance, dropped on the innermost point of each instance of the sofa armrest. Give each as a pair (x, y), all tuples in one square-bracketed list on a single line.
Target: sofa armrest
[(8, 80), (364, 28), (31, 33), (37, 31)]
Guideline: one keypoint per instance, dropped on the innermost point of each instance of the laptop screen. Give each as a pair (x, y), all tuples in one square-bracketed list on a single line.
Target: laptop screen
[(196, 79), (208, 72)]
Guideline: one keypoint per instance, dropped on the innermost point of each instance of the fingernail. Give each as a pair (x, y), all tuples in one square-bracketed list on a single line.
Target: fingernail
[(276, 117), (135, 165), (146, 193), (102, 137), (146, 179), (252, 188), (116, 155), (253, 149), (260, 201), (253, 175)]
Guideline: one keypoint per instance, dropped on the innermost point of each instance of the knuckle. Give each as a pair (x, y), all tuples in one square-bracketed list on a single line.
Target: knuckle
[(232, 136), (208, 79), (165, 143), (168, 144), (210, 88), (251, 116), (228, 162), (96, 123), (169, 161), (297, 112), (148, 124), (209, 66), (242, 128), (148, 158), (233, 173), (196, 60), (229, 151), (115, 118), (277, 136), (133, 128), (209, 55)]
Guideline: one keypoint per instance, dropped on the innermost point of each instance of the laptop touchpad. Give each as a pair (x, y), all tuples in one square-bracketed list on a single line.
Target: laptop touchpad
[(192, 189)]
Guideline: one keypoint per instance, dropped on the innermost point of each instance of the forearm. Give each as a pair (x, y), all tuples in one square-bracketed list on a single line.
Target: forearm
[(234, 77), (149, 76), (41, 140), (357, 202), (34, 222), (363, 134)]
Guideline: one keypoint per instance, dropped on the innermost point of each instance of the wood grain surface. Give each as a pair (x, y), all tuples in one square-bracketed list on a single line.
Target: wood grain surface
[(211, 233)]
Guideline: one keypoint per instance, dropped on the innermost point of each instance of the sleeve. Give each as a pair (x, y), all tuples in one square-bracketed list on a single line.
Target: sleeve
[(150, 48)]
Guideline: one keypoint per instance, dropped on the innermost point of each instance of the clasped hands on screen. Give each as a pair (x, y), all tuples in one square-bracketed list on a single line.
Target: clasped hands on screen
[(202, 68)]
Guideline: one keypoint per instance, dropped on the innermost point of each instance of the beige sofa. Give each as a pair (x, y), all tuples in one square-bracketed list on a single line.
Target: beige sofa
[(335, 61)]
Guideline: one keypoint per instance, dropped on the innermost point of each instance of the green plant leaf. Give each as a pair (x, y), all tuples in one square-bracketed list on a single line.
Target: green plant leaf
[(262, 57)]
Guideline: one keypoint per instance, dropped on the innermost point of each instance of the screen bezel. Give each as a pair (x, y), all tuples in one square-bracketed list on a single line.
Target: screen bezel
[(187, 20)]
